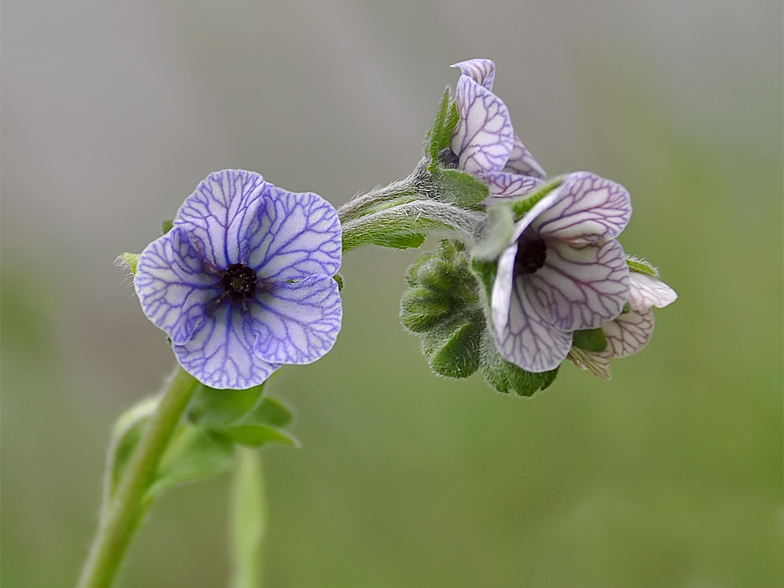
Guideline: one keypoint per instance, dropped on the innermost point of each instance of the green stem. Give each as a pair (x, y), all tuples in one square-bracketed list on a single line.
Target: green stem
[(248, 520), (122, 517), (362, 205)]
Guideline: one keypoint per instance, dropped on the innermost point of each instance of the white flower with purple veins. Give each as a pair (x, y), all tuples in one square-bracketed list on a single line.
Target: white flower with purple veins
[(629, 332), (562, 272), (243, 281), (484, 143)]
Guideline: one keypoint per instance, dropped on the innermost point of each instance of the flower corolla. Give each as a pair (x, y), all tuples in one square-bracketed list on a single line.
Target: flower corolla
[(243, 282), (562, 271), (484, 142), (630, 331)]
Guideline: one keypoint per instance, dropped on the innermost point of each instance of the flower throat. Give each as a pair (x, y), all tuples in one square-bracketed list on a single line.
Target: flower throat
[(239, 282), (530, 256)]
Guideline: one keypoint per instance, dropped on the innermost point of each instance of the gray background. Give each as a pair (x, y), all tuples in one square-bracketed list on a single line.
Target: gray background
[(670, 475)]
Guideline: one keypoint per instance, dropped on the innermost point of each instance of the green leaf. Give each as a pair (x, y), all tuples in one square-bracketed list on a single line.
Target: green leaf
[(192, 454), (506, 377), (590, 340), (270, 412), (258, 435), (459, 188), (438, 137), (641, 266), (167, 226), (214, 409), (125, 438), (485, 272)]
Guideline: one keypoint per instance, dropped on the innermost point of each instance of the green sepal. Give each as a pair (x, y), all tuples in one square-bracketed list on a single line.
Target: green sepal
[(641, 266), (438, 137), (211, 408), (523, 205), (459, 188), (507, 378), (497, 235), (258, 436), (192, 454), (126, 434), (339, 279), (485, 272), (129, 260), (590, 340), (166, 226)]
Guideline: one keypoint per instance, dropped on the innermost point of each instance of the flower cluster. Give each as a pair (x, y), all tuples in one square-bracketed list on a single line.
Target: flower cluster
[(562, 270), (243, 281)]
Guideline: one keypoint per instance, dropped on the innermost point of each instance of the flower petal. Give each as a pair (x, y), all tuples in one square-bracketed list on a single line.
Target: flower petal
[(589, 209), (483, 137), (522, 162), (581, 288), (482, 71), (172, 286), (647, 291), (527, 338), (298, 235), (297, 323), (628, 333), (505, 186), (220, 353), (220, 215)]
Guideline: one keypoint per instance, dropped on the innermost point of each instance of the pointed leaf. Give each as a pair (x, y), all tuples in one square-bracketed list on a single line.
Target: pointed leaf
[(192, 454), (258, 435), (213, 409), (438, 137), (270, 412)]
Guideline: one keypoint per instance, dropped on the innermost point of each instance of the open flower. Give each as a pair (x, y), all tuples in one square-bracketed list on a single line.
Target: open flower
[(243, 281), (563, 271), (484, 143), (629, 332)]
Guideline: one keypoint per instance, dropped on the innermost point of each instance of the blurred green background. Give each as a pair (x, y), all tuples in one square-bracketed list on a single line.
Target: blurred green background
[(669, 475)]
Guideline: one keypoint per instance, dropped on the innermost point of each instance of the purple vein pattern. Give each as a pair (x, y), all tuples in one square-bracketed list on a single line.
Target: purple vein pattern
[(242, 284), (484, 140), (578, 280), (629, 332)]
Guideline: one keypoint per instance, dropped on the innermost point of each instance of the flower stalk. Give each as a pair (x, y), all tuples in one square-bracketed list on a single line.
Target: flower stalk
[(120, 520), (248, 520)]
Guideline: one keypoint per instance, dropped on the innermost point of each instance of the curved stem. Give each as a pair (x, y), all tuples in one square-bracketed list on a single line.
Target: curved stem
[(248, 520), (363, 204), (124, 513)]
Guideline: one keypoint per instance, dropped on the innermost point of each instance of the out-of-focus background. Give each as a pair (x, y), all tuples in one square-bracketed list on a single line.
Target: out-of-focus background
[(670, 475)]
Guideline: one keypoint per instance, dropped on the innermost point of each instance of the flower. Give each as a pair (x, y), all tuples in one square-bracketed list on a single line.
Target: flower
[(629, 332), (243, 281), (484, 143), (563, 271)]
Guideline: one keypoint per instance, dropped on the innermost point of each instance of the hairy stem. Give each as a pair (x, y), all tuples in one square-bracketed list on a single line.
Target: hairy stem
[(122, 516)]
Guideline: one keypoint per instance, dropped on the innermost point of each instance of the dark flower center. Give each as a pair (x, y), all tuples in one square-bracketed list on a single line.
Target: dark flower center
[(239, 282), (530, 256), (448, 158)]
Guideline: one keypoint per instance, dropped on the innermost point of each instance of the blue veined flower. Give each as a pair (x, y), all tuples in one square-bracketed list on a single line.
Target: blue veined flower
[(484, 143), (563, 271), (242, 283), (629, 332)]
